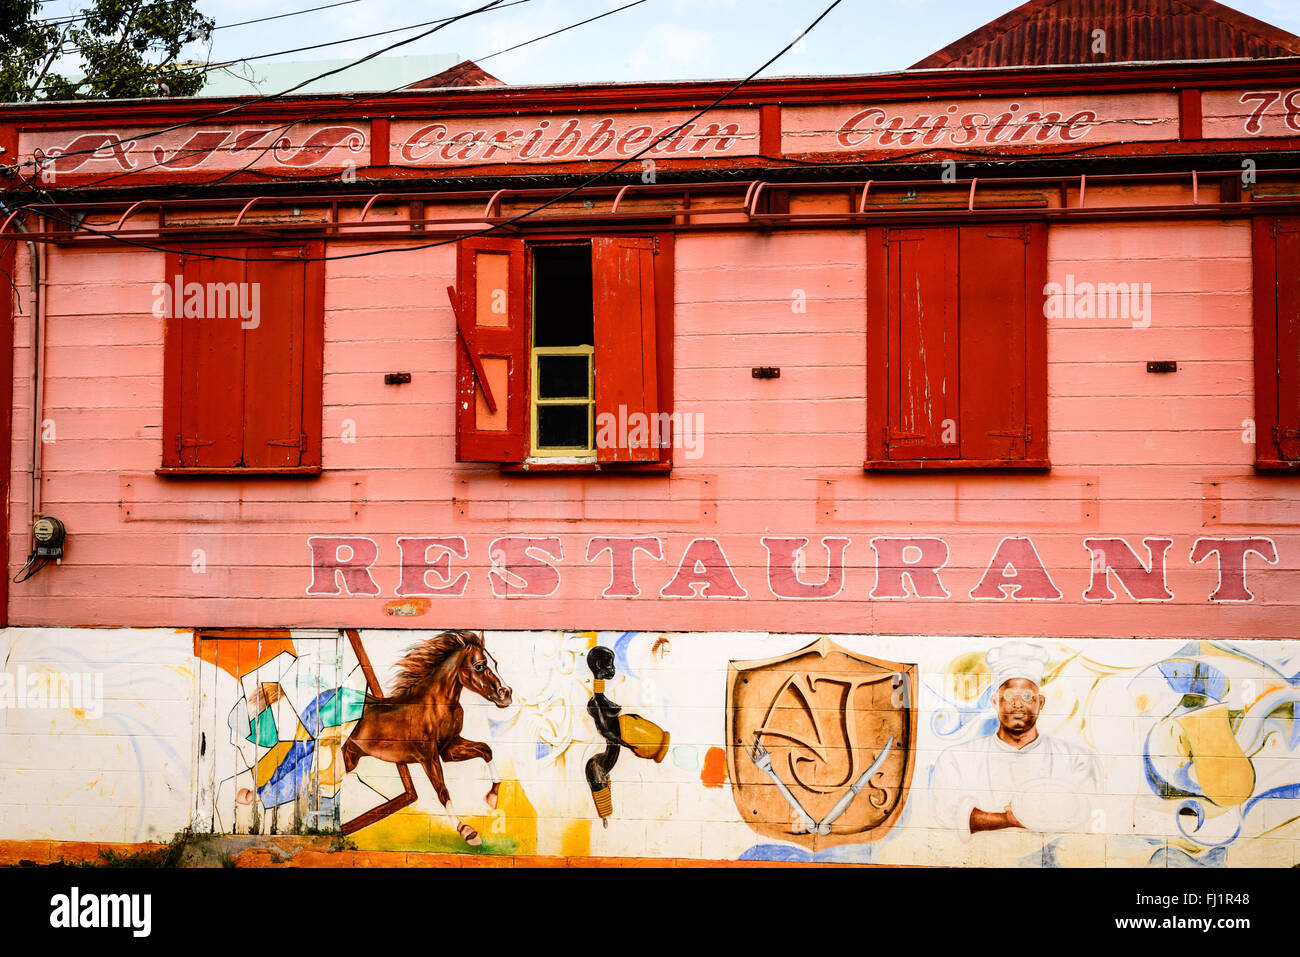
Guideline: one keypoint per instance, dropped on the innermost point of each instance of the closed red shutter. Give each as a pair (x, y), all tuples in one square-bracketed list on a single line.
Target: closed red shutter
[(491, 316), (956, 349), (994, 349), (243, 370), (211, 399), (623, 275), (1277, 340), (920, 350), (277, 410)]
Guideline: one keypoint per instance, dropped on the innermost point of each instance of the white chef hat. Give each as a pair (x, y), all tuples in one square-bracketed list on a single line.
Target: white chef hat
[(1017, 659)]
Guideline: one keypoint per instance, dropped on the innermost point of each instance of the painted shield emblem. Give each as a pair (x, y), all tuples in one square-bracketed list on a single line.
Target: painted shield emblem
[(820, 744)]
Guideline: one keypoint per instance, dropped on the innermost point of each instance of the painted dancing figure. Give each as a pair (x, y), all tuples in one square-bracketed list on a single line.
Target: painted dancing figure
[(643, 738)]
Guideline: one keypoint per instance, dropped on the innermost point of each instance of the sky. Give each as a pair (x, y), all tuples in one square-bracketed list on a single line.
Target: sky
[(654, 40)]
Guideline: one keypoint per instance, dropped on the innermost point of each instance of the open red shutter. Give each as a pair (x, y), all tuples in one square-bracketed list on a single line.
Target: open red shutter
[(205, 424), (623, 302), (1282, 368), (922, 351), (491, 315), (994, 343)]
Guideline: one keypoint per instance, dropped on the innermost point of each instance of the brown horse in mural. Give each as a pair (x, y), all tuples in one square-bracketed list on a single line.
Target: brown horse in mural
[(421, 721)]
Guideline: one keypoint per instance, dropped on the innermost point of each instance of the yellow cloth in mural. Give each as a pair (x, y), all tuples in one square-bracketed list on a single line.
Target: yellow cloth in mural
[(1219, 766), (645, 738)]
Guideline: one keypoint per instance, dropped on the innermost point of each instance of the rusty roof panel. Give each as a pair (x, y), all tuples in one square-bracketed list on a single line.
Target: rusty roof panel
[(464, 73), (1051, 32)]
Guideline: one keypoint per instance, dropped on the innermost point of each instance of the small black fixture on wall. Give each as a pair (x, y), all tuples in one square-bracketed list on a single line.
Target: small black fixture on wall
[(47, 543)]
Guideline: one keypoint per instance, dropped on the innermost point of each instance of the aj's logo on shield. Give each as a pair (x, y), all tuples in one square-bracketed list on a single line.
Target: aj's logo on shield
[(820, 744)]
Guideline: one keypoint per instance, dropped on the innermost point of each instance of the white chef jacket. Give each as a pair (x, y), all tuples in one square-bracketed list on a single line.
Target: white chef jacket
[(1047, 782)]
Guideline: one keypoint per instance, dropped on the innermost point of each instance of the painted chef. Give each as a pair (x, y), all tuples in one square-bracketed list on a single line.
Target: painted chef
[(1016, 777)]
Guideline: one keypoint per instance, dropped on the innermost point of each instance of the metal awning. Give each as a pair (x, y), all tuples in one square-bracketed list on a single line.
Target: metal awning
[(354, 216)]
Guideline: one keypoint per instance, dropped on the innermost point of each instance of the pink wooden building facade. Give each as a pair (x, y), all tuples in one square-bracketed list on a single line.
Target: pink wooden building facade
[(902, 340)]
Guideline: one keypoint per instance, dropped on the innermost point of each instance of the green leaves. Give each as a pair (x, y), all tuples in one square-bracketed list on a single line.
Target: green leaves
[(113, 49)]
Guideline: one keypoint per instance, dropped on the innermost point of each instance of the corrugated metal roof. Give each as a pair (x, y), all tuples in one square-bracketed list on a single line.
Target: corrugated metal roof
[(464, 73), (1048, 32)]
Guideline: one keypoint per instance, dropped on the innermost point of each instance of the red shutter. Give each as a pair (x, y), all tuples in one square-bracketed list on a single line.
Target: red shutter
[(207, 422), (994, 346), (245, 392), (1277, 340), (921, 352), (623, 277), (957, 346), (492, 329), (282, 358)]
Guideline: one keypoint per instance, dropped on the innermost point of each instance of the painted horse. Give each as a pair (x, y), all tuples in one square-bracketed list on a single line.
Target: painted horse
[(421, 721)]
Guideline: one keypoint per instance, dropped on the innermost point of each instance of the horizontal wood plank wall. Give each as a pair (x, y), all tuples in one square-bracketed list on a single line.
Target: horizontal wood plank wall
[(1134, 454)]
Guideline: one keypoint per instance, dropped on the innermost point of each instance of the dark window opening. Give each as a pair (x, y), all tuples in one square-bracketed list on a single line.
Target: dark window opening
[(563, 351)]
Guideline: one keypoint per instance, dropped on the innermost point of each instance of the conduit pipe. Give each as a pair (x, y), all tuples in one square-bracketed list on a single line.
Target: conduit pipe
[(36, 315)]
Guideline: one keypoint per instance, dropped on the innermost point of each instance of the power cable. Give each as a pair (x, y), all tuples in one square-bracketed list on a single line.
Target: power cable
[(226, 64), (494, 228), (275, 96), (285, 127)]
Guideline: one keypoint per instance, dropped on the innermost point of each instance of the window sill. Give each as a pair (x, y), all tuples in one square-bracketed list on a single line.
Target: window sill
[(930, 465), (1277, 465), (543, 467), (201, 471)]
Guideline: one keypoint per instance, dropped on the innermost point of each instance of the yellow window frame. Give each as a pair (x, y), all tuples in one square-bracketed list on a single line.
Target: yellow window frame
[(537, 402)]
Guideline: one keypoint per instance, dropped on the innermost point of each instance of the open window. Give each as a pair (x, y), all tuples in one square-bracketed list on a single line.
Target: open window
[(243, 360), (957, 347), (1277, 342), (563, 358)]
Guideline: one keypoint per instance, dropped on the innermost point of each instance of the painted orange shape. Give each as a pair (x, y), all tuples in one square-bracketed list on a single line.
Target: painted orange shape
[(714, 771), (239, 656)]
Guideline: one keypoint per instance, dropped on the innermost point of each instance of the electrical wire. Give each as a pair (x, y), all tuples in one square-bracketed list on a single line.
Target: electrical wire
[(220, 26), (59, 21), (281, 16), (275, 96), (490, 229), (24, 574), (262, 152), (546, 36), (227, 64), (285, 127)]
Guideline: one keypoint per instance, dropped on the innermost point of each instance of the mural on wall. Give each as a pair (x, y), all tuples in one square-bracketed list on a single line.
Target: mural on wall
[(420, 722), (96, 733), (783, 747), (282, 720), (1189, 760), (1015, 777), (1222, 757), (642, 737), (809, 732)]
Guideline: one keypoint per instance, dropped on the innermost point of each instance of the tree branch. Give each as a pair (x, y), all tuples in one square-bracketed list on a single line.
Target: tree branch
[(49, 61)]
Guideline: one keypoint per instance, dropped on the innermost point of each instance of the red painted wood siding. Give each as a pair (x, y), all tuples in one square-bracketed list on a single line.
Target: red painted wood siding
[(1133, 454)]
